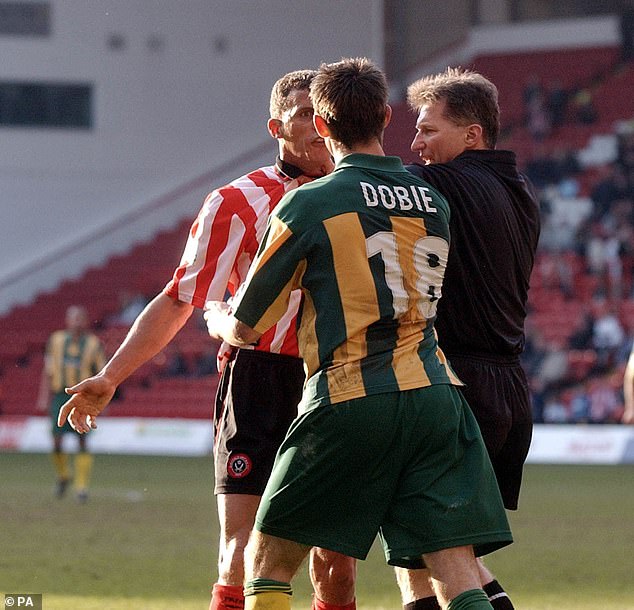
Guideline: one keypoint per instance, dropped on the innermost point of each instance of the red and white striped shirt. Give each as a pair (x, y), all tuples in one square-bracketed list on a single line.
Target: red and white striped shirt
[(222, 243)]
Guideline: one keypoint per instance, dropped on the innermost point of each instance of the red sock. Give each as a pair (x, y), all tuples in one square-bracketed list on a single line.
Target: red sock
[(319, 605), (226, 597)]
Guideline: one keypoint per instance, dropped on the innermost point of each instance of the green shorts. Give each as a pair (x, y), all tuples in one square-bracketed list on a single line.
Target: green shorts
[(56, 404), (410, 465)]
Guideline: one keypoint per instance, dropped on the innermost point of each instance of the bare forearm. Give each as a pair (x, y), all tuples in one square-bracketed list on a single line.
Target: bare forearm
[(155, 327), (628, 391), (629, 398), (239, 334)]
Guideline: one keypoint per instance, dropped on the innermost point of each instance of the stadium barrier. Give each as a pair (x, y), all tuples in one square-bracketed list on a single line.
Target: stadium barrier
[(582, 444), (552, 444), (123, 435)]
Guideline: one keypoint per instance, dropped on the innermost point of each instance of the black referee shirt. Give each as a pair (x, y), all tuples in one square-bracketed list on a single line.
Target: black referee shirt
[(494, 233)]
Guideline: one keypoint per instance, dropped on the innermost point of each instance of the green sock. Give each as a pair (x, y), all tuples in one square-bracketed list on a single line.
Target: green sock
[(475, 599), (265, 585), (266, 594)]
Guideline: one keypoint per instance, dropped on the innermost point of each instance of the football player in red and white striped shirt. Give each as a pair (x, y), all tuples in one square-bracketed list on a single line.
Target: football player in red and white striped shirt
[(259, 388)]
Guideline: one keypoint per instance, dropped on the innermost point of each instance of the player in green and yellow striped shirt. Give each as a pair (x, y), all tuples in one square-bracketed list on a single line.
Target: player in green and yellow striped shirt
[(71, 355)]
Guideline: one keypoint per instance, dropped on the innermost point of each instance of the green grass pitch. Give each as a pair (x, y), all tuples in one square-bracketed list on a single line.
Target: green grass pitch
[(146, 539)]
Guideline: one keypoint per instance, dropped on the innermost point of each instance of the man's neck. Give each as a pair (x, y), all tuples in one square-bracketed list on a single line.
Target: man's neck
[(292, 170), (374, 147), (288, 169)]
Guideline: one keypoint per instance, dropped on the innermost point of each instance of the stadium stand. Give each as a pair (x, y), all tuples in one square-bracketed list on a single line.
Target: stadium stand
[(575, 301), (148, 392), (581, 296)]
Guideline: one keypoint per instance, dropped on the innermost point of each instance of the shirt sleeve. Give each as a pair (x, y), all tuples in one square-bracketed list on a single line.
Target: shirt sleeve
[(216, 240), (276, 272)]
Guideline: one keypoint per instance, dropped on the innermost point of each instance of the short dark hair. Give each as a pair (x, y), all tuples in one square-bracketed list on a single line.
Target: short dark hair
[(469, 98), (351, 96), (298, 80)]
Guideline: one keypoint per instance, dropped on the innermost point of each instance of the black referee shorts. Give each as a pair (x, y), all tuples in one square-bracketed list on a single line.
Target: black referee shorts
[(498, 395), (256, 402)]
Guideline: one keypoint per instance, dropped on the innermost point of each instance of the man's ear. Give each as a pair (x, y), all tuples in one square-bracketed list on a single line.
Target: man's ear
[(321, 127), (473, 136), (276, 129), (388, 116)]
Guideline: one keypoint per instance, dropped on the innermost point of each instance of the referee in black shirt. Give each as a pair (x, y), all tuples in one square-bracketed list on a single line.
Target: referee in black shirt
[(495, 228)]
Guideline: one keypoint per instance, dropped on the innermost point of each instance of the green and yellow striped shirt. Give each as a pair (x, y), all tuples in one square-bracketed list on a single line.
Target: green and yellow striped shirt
[(70, 359), (368, 246)]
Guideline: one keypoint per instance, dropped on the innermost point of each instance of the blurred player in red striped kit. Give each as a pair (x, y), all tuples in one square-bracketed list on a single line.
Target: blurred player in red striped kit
[(259, 388)]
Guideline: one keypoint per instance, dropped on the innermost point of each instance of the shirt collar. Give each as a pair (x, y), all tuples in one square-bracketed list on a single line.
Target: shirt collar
[(287, 169), (387, 163)]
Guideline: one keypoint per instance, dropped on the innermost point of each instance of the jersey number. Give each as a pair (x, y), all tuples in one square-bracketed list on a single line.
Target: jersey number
[(430, 256)]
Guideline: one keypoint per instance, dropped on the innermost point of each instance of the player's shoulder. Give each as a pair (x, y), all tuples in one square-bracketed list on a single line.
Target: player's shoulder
[(245, 188), (444, 178), (426, 181), (434, 170), (56, 339), (302, 207), (257, 178)]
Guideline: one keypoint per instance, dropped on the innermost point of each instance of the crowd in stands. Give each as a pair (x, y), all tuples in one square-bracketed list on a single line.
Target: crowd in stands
[(580, 328), (548, 108)]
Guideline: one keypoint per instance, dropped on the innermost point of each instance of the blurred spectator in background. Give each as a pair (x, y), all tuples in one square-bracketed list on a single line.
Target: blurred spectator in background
[(604, 401), (580, 404), (132, 304), (583, 107), (553, 367), (533, 88), (607, 333), (581, 339), (603, 260), (611, 184), (625, 156), (555, 410), (538, 120), (536, 113), (557, 104), (541, 169), (556, 273)]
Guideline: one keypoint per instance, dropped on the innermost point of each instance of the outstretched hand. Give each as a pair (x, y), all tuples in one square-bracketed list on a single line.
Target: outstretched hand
[(87, 400)]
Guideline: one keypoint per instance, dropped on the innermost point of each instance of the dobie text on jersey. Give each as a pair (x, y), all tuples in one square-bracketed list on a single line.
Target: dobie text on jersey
[(401, 197)]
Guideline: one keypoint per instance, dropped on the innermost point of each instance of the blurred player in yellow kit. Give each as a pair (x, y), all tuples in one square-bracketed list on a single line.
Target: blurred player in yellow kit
[(71, 354)]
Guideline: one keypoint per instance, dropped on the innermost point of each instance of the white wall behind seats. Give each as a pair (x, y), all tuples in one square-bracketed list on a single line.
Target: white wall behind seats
[(186, 94)]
